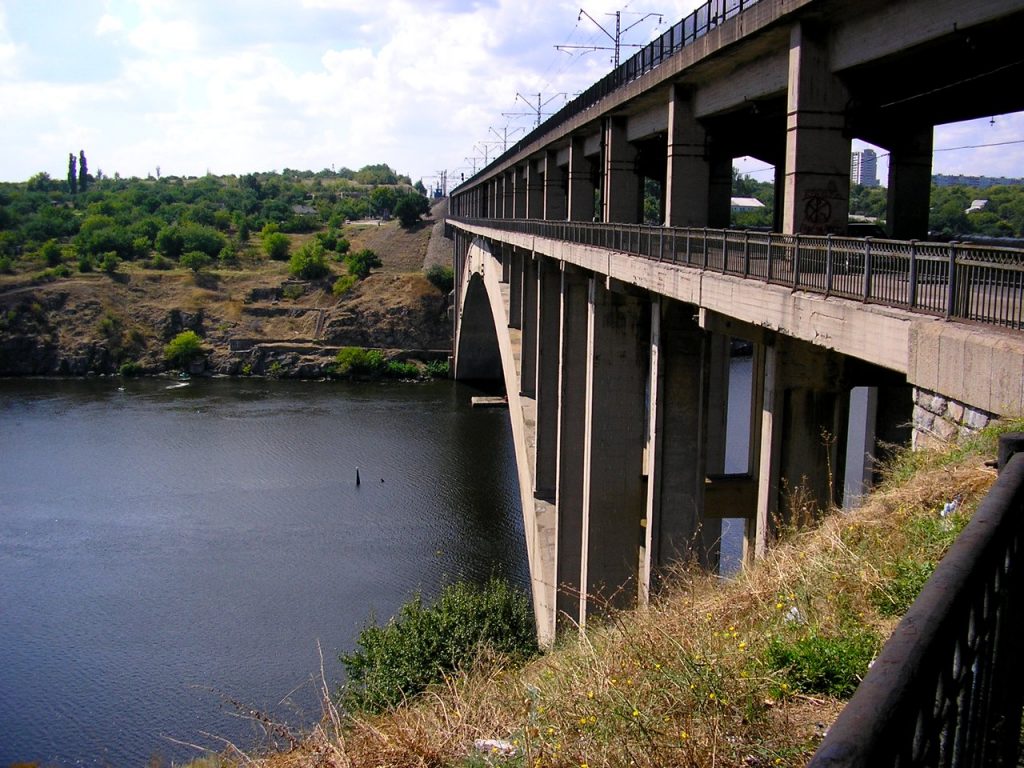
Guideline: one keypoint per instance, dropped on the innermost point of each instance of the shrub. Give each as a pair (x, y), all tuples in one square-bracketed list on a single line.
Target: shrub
[(361, 262), (85, 263), (343, 284), (276, 245), (817, 663), (131, 368), (442, 277), (51, 253), (195, 260), (358, 361), (183, 349), (401, 370), (438, 369), (309, 263), (5, 264), (422, 644), (110, 262)]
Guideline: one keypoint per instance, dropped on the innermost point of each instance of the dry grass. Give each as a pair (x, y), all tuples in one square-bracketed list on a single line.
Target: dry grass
[(687, 681)]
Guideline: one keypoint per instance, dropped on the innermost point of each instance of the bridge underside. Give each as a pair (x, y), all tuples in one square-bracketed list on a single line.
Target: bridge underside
[(619, 402)]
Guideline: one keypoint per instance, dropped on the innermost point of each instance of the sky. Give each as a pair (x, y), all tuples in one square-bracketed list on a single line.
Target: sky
[(234, 86)]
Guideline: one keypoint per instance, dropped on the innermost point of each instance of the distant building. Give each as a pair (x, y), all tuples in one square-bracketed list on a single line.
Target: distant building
[(976, 205), (981, 182), (864, 168), (746, 204)]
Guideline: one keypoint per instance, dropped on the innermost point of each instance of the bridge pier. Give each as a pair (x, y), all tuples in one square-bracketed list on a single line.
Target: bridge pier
[(614, 433), (549, 298), (555, 189), (687, 175), (581, 182), (621, 193), (685, 438)]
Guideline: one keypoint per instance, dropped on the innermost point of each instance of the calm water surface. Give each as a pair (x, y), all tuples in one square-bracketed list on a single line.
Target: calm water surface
[(166, 551)]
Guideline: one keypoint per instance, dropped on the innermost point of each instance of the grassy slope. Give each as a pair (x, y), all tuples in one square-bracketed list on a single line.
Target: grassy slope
[(694, 680)]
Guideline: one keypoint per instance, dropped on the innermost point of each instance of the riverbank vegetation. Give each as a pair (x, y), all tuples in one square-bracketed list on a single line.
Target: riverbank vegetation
[(274, 272), (749, 671)]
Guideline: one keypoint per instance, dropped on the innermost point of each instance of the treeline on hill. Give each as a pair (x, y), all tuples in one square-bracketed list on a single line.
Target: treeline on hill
[(97, 222)]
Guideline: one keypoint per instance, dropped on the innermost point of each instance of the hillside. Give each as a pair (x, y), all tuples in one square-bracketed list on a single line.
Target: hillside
[(253, 317)]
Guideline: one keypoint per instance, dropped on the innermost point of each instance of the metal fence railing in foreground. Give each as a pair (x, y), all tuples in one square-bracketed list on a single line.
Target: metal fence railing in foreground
[(946, 688)]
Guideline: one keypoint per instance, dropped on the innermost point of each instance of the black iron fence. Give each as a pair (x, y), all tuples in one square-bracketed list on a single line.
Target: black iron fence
[(683, 33), (952, 280), (946, 688)]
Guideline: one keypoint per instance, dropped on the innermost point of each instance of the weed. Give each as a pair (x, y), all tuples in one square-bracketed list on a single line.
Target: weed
[(819, 663)]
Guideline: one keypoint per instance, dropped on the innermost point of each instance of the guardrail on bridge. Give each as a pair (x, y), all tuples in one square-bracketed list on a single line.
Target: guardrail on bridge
[(952, 280)]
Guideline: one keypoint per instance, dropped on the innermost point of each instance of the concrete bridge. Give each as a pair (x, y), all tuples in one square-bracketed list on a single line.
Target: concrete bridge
[(613, 338)]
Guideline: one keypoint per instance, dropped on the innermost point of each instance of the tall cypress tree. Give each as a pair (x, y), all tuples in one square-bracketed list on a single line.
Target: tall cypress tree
[(72, 174), (83, 171)]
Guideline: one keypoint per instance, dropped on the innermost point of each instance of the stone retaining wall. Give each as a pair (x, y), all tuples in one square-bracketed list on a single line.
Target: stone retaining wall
[(939, 419)]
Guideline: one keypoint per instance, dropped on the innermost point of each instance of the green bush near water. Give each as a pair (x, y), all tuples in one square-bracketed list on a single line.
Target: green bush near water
[(424, 643)]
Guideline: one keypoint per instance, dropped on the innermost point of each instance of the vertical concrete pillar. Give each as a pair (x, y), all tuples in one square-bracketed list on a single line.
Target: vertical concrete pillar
[(687, 173), (515, 294), (519, 197), (621, 195), (494, 196), (720, 191), (678, 430), (910, 185), (614, 492), (549, 283), (572, 410), (555, 199), (509, 193), (534, 190), (581, 185), (860, 445), (817, 153), (767, 435), (528, 364)]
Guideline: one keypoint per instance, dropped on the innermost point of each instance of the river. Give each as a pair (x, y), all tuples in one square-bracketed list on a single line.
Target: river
[(166, 552)]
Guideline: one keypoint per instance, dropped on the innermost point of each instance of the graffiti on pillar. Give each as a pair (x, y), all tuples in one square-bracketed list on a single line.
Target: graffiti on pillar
[(819, 208)]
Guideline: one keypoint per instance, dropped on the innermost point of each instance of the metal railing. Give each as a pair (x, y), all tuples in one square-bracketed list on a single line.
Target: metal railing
[(683, 33), (946, 688), (952, 280)]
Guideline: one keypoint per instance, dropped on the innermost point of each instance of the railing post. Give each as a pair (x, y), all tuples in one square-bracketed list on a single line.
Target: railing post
[(796, 261), (661, 245), (746, 253), (725, 250), (768, 261), (952, 281), (866, 288), (828, 264), (705, 248), (1009, 444), (912, 276)]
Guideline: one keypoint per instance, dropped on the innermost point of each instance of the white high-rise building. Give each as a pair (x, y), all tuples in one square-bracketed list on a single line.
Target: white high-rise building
[(864, 168)]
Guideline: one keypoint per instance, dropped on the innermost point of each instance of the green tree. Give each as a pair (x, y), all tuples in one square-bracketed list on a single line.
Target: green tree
[(361, 262), (195, 260), (83, 171), (51, 253), (382, 200), (72, 174), (276, 245), (183, 349), (309, 263), (409, 207)]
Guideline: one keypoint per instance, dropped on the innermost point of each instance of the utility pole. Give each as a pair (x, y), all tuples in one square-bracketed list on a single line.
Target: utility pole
[(504, 135), (616, 38), (537, 110)]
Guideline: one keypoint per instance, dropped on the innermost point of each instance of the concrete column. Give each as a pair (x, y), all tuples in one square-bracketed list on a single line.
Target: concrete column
[(678, 430), (720, 191), (621, 195), (803, 436), (509, 195), (910, 185), (581, 185), (572, 402), (768, 436), (534, 191), (555, 200), (515, 294), (549, 282), (614, 492), (528, 364), (687, 175), (494, 198), (817, 198), (519, 183)]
